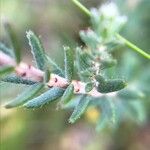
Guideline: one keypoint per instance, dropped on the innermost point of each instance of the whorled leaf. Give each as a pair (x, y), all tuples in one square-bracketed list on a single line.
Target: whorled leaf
[(26, 95)]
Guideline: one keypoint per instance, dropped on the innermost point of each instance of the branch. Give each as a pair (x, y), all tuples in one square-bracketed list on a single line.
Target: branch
[(30, 72)]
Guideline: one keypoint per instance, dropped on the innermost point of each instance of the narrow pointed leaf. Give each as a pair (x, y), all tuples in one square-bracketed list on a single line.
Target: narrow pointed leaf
[(26, 95), (89, 86), (103, 119), (111, 85), (69, 63), (79, 109), (55, 68), (112, 111), (45, 98), (37, 50), (4, 71), (17, 80), (14, 41), (6, 50), (47, 75), (67, 94), (129, 94)]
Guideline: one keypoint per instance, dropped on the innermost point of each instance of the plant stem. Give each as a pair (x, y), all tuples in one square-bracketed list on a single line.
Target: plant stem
[(82, 7), (30, 72), (132, 46)]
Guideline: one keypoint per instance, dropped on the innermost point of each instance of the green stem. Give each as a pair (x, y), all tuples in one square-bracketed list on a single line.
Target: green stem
[(132, 46), (82, 7)]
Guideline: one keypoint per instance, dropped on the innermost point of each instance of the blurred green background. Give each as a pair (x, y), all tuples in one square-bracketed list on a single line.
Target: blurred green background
[(58, 23)]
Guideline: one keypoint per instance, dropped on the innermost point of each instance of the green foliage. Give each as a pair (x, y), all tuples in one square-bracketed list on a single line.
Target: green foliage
[(6, 70), (17, 80), (48, 96), (132, 94), (69, 63), (91, 65), (80, 108), (89, 86), (111, 85), (37, 50), (14, 41), (26, 95), (54, 67), (67, 95)]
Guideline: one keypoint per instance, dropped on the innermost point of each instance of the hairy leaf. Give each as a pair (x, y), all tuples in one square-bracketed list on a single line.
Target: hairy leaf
[(79, 109), (55, 68), (83, 60), (111, 85), (17, 80), (26, 95), (45, 98), (90, 38), (67, 94), (46, 75), (129, 94), (69, 63), (37, 50)]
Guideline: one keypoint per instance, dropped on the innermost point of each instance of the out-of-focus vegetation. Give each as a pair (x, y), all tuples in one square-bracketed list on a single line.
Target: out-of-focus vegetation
[(58, 22)]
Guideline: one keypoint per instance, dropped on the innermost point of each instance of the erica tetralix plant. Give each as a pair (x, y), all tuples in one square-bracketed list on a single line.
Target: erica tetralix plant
[(91, 87)]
